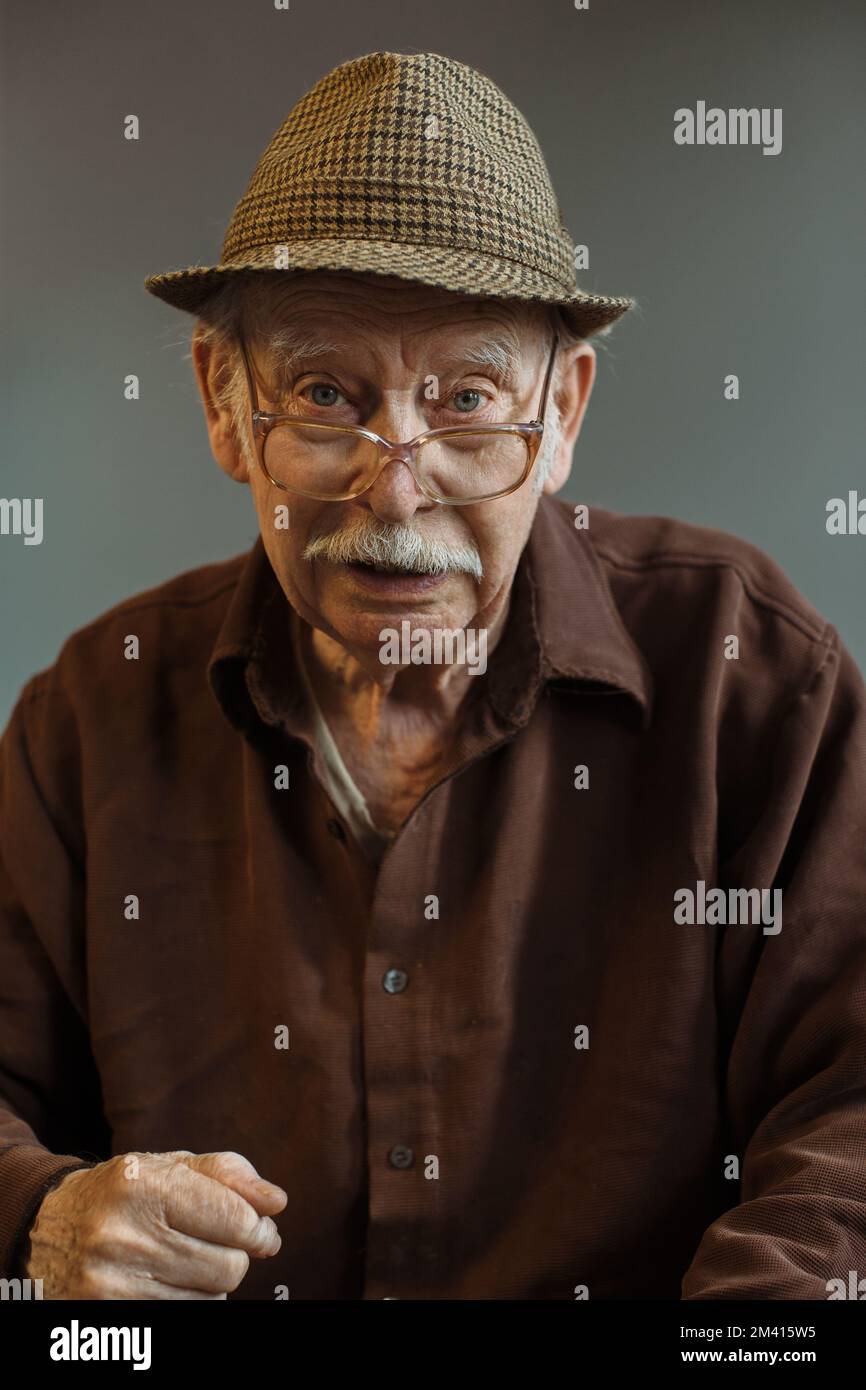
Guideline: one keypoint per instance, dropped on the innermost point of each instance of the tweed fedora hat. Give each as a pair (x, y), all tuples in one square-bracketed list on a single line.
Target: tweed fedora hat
[(411, 165)]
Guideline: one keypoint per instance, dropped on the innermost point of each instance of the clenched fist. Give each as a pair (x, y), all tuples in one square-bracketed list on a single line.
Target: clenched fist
[(142, 1225)]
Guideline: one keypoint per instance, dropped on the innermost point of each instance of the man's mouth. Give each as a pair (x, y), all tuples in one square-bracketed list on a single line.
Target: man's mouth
[(380, 568), (391, 578)]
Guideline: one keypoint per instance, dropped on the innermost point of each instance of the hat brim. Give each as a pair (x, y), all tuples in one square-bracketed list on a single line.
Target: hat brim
[(444, 268)]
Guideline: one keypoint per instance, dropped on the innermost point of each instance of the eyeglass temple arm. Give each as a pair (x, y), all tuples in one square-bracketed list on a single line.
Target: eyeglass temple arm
[(547, 375), (254, 395)]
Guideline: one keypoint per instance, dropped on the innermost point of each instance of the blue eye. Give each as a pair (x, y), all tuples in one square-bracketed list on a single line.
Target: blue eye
[(468, 391), (323, 386)]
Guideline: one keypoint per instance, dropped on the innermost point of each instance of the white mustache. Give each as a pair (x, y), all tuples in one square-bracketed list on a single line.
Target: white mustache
[(397, 547)]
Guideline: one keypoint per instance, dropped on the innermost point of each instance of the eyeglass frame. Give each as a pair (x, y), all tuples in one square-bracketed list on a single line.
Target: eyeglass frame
[(531, 431)]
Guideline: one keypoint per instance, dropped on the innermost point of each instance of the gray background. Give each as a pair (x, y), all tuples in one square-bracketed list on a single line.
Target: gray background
[(740, 262)]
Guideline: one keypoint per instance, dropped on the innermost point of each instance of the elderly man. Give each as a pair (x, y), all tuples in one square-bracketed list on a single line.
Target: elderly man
[(461, 894)]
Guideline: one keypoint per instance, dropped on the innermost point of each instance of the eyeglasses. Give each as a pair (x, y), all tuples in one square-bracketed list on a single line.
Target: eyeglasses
[(455, 466)]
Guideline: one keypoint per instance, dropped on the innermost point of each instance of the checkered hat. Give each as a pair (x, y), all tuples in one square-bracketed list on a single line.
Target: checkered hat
[(413, 165)]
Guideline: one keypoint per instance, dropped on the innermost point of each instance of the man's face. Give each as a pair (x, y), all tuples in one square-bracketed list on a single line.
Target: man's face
[(387, 338)]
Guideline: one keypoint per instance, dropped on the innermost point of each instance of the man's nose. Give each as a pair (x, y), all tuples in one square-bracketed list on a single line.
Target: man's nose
[(395, 496)]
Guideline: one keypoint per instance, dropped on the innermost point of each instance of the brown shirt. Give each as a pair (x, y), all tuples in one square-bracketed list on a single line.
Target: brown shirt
[(511, 1071)]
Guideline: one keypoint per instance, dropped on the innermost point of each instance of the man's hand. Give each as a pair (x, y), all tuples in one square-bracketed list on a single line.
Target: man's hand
[(170, 1225)]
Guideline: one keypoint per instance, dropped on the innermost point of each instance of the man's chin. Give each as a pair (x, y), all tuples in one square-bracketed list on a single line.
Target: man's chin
[(357, 608)]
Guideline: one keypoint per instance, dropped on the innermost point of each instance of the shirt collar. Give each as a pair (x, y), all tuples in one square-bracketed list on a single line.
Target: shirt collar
[(563, 626), (580, 630)]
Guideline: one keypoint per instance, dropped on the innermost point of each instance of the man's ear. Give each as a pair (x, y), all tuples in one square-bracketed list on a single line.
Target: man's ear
[(576, 379), (212, 368)]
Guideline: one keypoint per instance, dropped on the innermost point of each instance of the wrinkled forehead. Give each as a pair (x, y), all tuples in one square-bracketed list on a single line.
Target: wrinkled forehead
[(337, 311)]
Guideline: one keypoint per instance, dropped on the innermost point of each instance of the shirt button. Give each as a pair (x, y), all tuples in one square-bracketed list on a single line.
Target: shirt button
[(336, 829), (395, 981), (401, 1157)]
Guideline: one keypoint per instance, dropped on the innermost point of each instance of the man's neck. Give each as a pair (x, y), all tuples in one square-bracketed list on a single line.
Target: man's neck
[(415, 701)]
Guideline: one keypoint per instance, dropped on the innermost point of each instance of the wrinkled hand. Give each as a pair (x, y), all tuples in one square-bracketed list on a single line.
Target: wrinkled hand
[(143, 1225)]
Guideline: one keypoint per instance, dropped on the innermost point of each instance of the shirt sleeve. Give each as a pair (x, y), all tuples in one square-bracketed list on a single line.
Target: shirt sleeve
[(50, 1108), (792, 1009)]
